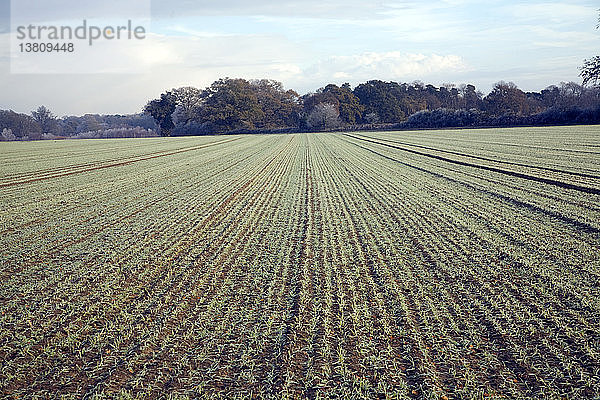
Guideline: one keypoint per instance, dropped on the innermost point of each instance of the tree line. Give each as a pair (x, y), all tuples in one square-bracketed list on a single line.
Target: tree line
[(263, 106), (240, 105), (43, 124)]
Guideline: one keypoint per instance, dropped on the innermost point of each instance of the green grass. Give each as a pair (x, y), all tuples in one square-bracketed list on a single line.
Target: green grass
[(430, 265)]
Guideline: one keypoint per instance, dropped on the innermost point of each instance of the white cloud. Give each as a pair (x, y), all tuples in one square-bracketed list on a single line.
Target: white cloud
[(392, 65), (342, 75)]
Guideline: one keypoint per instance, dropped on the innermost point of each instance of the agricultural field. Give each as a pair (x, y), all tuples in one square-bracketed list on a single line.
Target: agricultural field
[(397, 265)]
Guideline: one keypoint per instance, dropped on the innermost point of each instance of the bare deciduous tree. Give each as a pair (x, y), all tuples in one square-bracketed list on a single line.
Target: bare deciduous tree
[(590, 71), (323, 115), (7, 135)]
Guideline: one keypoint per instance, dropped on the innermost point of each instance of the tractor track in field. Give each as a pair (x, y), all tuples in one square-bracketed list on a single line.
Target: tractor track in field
[(560, 171), (47, 171), (127, 161), (577, 225), (528, 146), (531, 192), (59, 246), (75, 208), (150, 200), (553, 182)]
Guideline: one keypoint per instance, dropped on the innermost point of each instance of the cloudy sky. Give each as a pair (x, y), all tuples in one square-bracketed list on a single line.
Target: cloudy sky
[(309, 43)]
